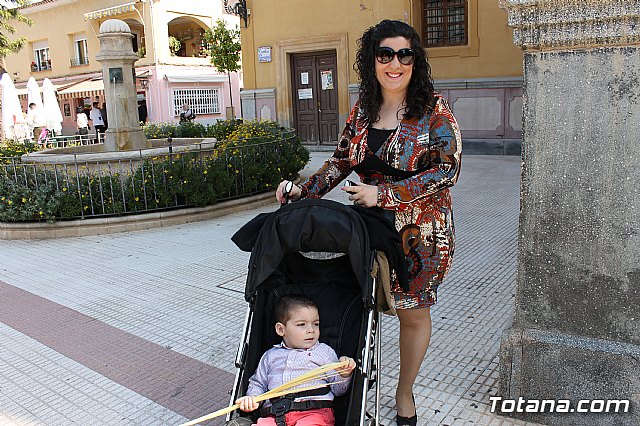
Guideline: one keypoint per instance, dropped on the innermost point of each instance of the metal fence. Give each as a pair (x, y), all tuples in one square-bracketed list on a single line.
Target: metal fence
[(196, 175), (74, 140)]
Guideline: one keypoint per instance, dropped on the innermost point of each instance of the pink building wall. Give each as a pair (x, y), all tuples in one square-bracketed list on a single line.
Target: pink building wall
[(159, 92)]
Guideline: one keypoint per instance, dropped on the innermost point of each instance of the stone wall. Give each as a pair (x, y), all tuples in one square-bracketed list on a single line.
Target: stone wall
[(576, 333)]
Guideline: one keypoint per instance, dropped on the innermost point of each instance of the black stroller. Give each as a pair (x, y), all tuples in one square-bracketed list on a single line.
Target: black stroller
[(320, 249)]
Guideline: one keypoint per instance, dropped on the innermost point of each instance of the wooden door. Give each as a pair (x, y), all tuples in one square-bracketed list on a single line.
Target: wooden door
[(315, 96)]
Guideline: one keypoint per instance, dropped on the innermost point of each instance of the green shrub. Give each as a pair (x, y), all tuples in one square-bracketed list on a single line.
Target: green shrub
[(20, 202), (12, 149), (182, 179), (223, 130)]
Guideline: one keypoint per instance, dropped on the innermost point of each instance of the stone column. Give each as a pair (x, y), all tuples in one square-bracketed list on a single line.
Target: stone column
[(118, 73), (576, 331)]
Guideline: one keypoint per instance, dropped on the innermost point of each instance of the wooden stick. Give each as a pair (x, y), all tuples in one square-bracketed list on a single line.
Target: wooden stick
[(309, 376), (259, 398), (281, 390)]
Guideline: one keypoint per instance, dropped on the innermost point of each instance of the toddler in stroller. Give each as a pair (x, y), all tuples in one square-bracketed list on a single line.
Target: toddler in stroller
[(300, 351), (319, 249)]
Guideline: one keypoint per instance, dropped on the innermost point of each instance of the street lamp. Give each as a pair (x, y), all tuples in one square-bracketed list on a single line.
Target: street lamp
[(238, 8)]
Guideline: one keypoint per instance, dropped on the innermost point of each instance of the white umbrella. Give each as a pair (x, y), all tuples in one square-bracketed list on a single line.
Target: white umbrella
[(11, 109), (51, 107), (33, 93)]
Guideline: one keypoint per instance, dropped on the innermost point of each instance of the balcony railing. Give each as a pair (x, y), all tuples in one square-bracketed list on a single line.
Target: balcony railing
[(79, 62)]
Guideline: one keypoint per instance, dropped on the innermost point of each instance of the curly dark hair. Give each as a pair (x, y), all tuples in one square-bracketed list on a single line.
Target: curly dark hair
[(420, 94)]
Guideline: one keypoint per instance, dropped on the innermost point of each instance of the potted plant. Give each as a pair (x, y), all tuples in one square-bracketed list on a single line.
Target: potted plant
[(174, 45), (34, 66)]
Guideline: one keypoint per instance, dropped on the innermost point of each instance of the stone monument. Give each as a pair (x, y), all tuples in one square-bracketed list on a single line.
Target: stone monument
[(118, 73), (576, 331)]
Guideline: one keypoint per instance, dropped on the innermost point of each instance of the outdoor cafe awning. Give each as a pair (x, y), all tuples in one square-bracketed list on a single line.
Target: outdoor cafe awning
[(110, 11), (84, 89), (23, 91), (89, 88)]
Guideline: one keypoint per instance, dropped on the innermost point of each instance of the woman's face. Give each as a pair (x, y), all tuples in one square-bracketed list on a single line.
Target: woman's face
[(394, 77)]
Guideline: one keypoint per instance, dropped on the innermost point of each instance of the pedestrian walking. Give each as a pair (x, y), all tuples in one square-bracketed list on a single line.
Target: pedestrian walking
[(105, 117), (96, 118), (37, 121), (82, 121), (142, 111)]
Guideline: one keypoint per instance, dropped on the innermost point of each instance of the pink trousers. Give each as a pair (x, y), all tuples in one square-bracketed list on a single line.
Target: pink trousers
[(319, 417)]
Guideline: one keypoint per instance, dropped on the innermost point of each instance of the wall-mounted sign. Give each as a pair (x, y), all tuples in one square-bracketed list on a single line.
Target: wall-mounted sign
[(304, 78), (264, 54), (305, 93), (327, 79)]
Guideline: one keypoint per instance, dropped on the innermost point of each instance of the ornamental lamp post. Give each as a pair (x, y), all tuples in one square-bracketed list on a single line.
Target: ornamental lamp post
[(238, 8)]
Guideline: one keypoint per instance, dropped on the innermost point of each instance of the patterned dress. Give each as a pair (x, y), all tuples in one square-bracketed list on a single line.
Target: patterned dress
[(413, 170)]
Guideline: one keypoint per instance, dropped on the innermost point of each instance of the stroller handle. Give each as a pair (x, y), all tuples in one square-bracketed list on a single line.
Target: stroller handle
[(285, 192)]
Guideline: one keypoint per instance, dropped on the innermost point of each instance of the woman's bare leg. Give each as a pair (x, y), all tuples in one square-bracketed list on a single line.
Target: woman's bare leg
[(415, 334)]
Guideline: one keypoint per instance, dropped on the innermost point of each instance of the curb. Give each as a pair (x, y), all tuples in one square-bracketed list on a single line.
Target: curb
[(116, 224)]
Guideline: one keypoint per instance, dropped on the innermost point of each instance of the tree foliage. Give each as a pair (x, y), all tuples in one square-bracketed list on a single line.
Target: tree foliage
[(224, 47), (7, 15)]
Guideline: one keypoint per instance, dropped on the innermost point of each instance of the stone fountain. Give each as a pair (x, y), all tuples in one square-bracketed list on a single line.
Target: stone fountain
[(118, 73)]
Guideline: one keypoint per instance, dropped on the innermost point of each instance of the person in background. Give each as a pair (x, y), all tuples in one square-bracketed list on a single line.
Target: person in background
[(36, 120), (96, 118), (103, 112), (82, 121), (142, 111), (186, 115)]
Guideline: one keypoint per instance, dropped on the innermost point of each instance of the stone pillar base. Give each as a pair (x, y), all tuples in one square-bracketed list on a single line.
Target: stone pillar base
[(544, 365), (125, 139)]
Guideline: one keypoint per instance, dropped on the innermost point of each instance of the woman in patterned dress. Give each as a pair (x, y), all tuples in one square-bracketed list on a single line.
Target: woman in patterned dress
[(404, 143)]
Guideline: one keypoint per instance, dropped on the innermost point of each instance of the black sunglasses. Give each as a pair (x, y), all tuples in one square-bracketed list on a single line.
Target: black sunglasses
[(406, 56)]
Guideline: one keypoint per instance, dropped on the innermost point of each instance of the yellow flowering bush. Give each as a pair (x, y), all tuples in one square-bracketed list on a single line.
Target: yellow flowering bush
[(194, 178)]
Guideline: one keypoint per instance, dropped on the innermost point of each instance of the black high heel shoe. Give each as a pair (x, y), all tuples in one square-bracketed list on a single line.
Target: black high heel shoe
[(408, 421)]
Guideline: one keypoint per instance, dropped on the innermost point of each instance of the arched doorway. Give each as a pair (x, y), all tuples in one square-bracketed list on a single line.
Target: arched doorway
[(190, 33), (138, 41)]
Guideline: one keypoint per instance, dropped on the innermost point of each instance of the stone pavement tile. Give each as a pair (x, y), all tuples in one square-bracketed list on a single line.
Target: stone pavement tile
[(468, 412), (184, 385), (42, 387)]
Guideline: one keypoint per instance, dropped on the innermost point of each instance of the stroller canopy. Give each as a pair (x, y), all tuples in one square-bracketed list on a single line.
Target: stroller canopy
[(305, 226)]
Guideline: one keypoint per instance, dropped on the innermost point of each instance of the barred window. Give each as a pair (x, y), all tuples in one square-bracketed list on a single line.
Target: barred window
[(201, 101), (444, 22)]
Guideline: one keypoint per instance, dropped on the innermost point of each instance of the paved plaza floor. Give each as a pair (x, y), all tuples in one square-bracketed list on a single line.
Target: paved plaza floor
[(142, 328)]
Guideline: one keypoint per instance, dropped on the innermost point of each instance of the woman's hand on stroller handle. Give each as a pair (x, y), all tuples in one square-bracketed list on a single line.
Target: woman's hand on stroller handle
[(348, 369), (248, 403), (287, 191)]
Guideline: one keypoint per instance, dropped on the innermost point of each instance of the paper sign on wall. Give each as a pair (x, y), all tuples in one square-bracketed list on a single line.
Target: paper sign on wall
[(304, 78), (327, 79), (305, 93)]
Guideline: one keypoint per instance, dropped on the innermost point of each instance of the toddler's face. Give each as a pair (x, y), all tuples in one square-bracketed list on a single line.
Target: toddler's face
[(302, 331)]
